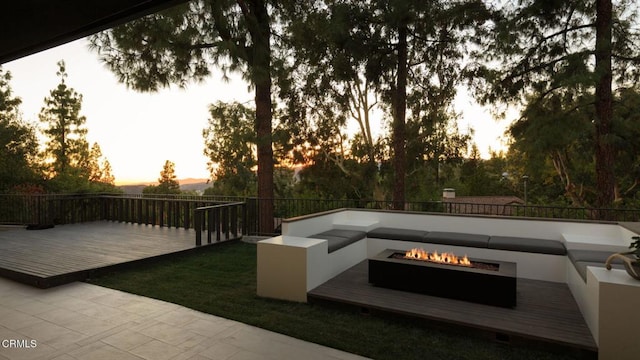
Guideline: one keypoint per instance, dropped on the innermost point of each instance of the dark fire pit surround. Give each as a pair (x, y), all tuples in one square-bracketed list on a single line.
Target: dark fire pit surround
[(491, 287)]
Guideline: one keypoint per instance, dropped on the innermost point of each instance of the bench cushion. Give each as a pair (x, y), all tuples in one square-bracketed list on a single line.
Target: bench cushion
[(583, 258), (458, 239), (334, 242), (541, 246), (338, 238), (397, 234), (581, 267)]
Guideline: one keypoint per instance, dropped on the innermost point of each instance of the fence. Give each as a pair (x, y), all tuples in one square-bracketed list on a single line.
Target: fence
[(287, 208), (169, 212), (49, 209), (542, 211), (221, 221), (186, 210)]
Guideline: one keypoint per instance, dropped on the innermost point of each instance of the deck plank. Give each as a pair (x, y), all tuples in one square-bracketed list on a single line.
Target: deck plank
[(68, 252), (545, 311)]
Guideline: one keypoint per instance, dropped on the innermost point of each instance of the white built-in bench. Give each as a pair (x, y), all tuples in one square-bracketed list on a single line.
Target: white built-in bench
[(570, 252), (507, 248), (339, 238), (579, 258)]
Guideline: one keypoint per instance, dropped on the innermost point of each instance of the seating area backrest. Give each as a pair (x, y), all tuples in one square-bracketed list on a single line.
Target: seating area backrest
[(397, 234), (541, 246), (339, 238), (511, 243), (458, 239)]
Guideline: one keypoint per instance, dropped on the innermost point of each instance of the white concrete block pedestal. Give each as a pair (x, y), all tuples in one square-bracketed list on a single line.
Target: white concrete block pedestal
[(284, 266)]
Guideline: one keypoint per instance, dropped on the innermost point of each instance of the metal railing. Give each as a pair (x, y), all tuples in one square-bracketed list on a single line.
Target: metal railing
[(213, 214), (180, 210), (543, 211), (220, 222), (291, 207), (169, 212), (287, 208), (49, 209)]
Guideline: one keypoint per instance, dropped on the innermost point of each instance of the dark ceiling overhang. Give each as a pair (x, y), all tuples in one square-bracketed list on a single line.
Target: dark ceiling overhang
[(30, 26)]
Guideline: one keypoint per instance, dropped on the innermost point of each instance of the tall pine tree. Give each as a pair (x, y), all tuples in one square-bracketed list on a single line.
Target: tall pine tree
[(67, 149), (18, 141), (184, 42), (168, 181), (410, 53), (543, 49)]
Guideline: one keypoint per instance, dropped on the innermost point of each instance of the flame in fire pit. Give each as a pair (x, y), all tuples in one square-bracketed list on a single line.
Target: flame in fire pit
[(443, 258)]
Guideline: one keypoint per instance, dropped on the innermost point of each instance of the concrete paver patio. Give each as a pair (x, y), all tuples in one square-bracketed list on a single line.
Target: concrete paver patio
[(84, 321)]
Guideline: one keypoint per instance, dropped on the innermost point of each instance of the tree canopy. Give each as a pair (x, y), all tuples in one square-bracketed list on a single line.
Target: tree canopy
[(402, 58), (167, 182), (65, 164), (543, 49), (183, 43), (18, 141), (231, 147), (556, 136), (67, 147), (334, 65)]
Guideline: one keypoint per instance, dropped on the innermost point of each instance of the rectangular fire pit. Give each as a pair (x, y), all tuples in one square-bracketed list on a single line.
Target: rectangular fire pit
[(493, 284)]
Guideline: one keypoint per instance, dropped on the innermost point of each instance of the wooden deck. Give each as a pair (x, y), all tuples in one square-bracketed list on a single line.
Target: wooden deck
[(545, 311), (67, 253)]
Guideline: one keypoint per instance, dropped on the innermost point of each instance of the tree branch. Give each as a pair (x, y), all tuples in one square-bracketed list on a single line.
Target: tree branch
[(543, 65), (218, 22), (626, 58)]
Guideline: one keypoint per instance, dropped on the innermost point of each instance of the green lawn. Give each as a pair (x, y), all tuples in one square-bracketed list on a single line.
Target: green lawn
[(221, 280)]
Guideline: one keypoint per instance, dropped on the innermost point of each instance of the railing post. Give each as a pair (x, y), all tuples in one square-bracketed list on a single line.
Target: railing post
[(245, 218), (198, 227), (234, 220), (169, 213), (187, 212), (174, 214), (175, 209), (122, 210), (159, 212), (252, 219), (211, 225), (225, 222), (154, 219), (139, 203)]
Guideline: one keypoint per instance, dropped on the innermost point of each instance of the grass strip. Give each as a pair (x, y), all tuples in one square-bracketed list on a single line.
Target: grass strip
[(221, 280)]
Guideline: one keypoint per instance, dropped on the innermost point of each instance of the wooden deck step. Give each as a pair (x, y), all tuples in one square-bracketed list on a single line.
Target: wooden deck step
[(545, 311), (66, 253)]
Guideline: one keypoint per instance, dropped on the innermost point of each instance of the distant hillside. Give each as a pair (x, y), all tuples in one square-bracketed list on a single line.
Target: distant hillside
[(190, 184), (194, 186), (189, 181), (132, 189)]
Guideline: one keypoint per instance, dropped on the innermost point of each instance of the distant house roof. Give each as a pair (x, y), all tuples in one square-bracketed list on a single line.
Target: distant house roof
[(488, 205)]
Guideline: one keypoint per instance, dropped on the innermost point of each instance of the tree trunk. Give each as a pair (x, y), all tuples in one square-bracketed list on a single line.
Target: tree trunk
[(399, 112), (261, 73), (604, 152)]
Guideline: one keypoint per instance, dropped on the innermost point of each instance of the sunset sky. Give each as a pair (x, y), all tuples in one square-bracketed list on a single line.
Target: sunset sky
[(139, 131)]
